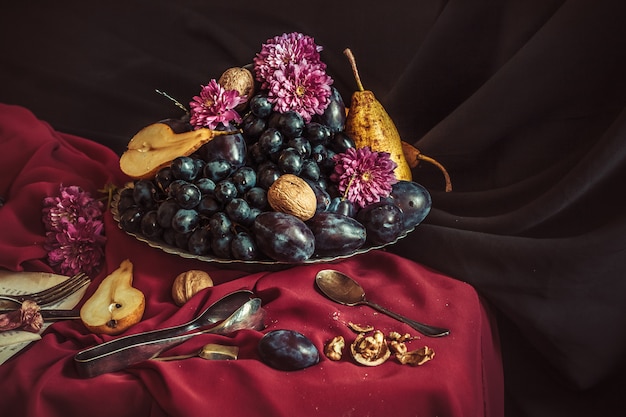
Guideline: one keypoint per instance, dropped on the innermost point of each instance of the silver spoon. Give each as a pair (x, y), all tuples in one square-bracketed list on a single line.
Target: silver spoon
[(236, 310), (344, 290)]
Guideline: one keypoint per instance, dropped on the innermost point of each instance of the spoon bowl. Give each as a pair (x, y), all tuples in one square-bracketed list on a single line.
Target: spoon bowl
[(344, 290)]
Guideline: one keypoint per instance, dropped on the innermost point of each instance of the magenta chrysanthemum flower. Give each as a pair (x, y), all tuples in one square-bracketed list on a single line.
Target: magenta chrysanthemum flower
[(215, 105), (301, 89), (280, 51), (289, 67), (364, 176), (74, 231)]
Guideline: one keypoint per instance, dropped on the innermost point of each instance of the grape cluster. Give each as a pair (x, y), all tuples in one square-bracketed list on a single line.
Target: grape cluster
[(208, 203)]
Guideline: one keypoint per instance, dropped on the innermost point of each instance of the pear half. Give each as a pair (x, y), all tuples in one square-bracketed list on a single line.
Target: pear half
[(115, 305)]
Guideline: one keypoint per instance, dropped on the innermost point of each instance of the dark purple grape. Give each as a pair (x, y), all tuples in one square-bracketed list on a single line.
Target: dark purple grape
[(185, 168), (220, 245), (256, 155), (199, 241), (287, 350), (257, 198), (145, 194), (310, 170), (343, 206), (220, 224), (334, 115), (290, 161), (323, 199), (317, 133), (341, 142), (163, 178), (271, 141), (169, 237), (260, 106), (244, 179), (252, 127), (267, 174), (383, 222), (336, 234), (188, 196), (150, 226), (225, 191), (414, 201), (181, 240), (205, 185), (243, 247), (290, 123), (178, 125), (301, 145), (283, 237), (130, 220), (166, 211), (218, 169), (185, 220), (125, 200), (174, 187), (238, 210), (208, 206)]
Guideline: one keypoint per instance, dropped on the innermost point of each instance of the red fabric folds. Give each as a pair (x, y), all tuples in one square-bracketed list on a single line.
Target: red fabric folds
[(465, 377)]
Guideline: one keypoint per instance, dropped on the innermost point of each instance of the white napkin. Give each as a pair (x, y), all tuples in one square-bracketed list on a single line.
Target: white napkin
[(11, 342)]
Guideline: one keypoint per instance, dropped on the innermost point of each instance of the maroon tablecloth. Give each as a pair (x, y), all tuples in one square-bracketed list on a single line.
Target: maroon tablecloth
[(464, 378)]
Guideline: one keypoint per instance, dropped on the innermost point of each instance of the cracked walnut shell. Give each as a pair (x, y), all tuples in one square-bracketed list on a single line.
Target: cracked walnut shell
[(188, 284), (370, 350)]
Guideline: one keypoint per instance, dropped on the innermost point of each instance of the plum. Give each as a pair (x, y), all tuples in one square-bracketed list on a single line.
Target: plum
[(414, 201), (287, 350), (336, 234), (283, 237), (383, 222)]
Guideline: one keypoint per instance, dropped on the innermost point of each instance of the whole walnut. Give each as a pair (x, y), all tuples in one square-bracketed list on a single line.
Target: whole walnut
[(239, 79), (292, 195), (189, 283)]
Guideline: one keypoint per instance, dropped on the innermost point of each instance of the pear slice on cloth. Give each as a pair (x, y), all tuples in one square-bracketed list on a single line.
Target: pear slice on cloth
[(115, 305), (156, 145)]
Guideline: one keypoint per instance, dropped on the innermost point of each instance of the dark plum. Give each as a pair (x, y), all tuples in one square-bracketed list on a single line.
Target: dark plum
[(178, 125), (336, 234), (283, 237), (287, 350), (414, 201), (383, 222), (334, 115), (230, 147)]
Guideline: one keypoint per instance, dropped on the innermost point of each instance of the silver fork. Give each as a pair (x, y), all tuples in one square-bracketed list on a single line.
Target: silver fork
[(52, 294)]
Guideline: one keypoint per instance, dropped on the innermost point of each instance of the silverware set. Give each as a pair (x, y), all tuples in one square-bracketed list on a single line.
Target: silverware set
[(52, 294)]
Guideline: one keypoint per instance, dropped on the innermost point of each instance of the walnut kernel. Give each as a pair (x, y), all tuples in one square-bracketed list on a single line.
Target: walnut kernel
[(370, 350), (189, 283), (416, 357), (334, 348)]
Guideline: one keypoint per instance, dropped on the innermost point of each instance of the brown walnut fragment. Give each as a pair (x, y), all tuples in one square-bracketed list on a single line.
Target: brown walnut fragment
[(334, 348)]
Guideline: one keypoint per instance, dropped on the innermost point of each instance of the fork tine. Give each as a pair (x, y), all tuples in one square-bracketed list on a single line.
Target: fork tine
[(57, 287), (58, 292)]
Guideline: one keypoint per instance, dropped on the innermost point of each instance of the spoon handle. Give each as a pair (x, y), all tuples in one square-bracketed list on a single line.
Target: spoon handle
[(424, 329)]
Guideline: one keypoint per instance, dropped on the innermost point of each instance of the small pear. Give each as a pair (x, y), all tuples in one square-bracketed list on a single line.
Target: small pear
[(368, 124), (115, 305)]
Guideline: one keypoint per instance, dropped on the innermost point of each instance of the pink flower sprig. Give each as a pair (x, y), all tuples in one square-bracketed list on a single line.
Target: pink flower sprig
[(74, 231), (290, 69), (364, 176), (215, 105)]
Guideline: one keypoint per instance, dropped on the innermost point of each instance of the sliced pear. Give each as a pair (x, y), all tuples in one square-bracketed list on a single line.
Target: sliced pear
[(116, 305), (156, 145)]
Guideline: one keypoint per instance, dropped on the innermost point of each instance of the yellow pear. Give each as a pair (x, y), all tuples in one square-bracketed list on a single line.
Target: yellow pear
[(368, 124), (115, 305)]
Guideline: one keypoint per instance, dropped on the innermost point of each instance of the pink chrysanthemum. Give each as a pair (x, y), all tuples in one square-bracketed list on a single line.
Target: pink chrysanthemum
[(301, 89), (74, 231), (215, 105), (364, 176), (281, 51), (289, 67)]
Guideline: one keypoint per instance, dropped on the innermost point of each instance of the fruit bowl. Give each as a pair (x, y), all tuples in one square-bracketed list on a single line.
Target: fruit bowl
[(251, 266)]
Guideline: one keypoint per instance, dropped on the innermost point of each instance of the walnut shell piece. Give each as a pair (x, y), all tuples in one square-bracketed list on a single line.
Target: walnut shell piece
[(292, 195), (416, 357), (334, 349), (370, 350), (189, 283)]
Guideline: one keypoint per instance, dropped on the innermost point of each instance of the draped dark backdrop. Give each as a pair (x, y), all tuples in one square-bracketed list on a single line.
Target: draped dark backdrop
[(522, 101)]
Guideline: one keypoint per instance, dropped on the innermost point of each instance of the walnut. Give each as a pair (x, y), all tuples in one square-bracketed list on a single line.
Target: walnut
[(334, 348), (239, 79), (360, 328), (292, 195), (370, 350), (189, 283), (416, 357), (393, 335), (398, 348)]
